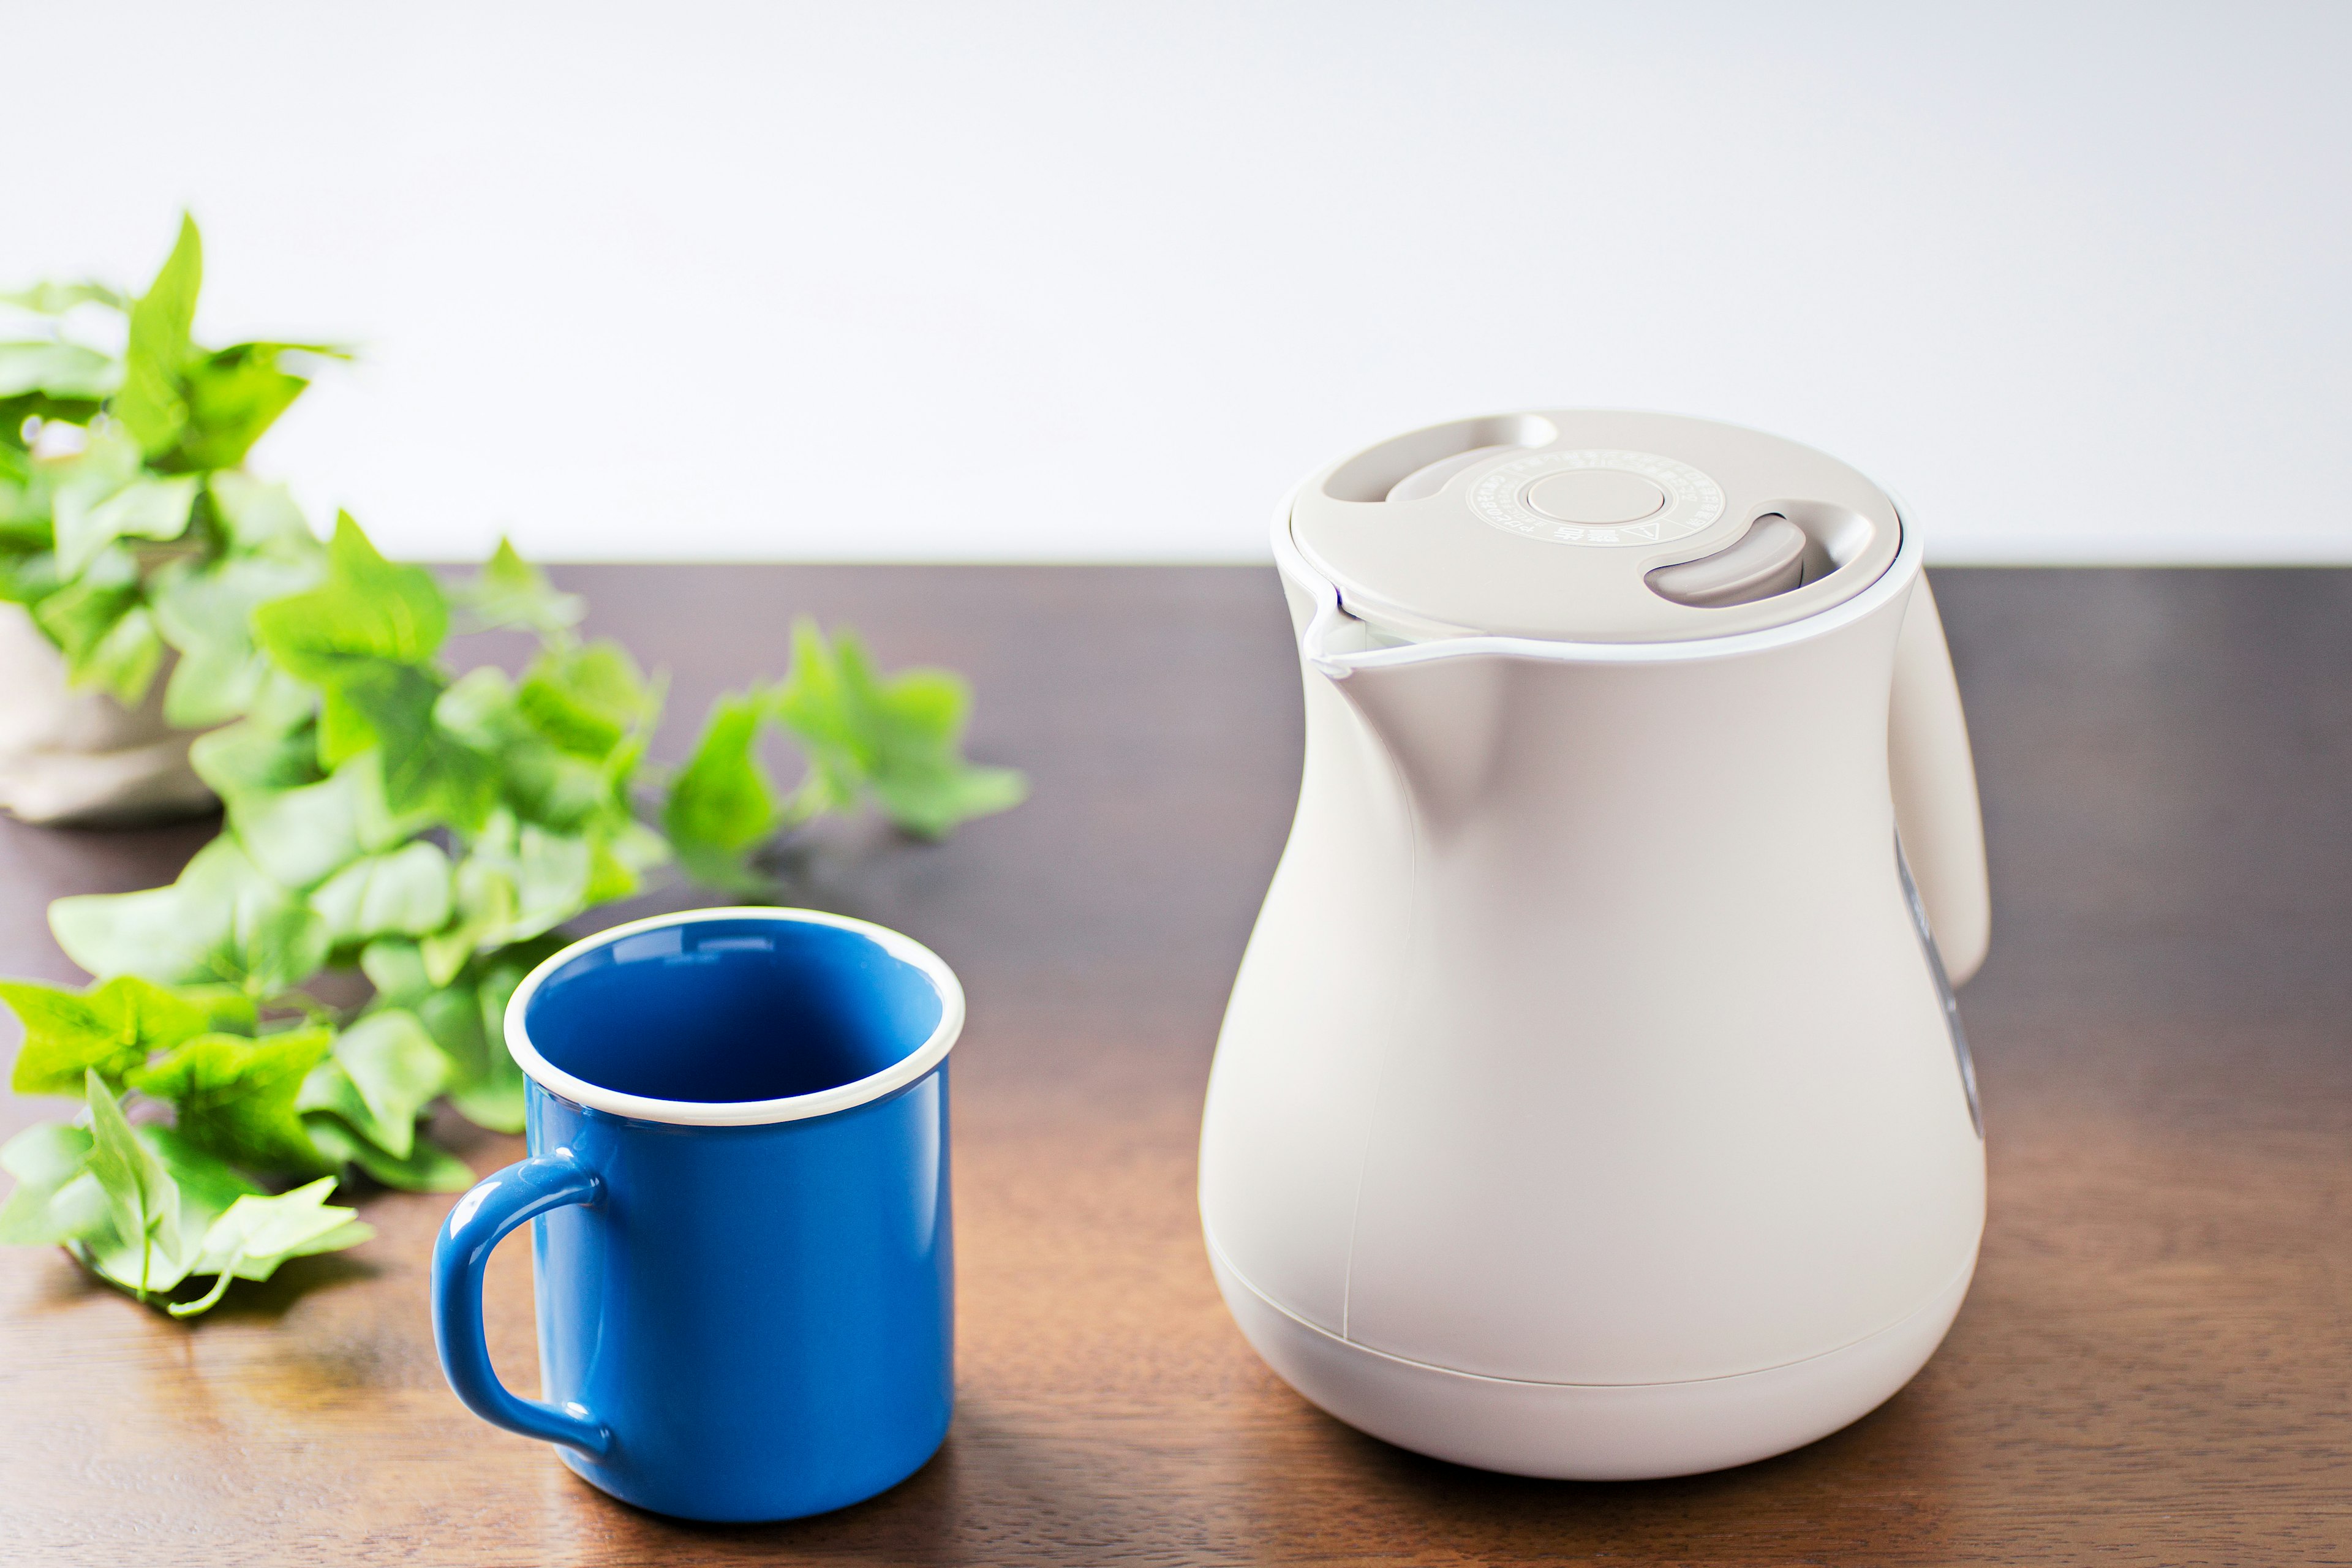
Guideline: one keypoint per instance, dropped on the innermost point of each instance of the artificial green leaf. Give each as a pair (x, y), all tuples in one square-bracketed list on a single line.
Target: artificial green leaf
[(281, 948), (586, 701), (826, 712), (494, 1098), (386, 1070), (368, 612), (374, 705), (145, 1252), (899, 740), (51, 297), (285, 704), (551, 878), (59, 368), (487, 1086), (27, 419), (452, 1014), (122, 663), (395, 967), (58, 1198), (233, 395), (258, 1233), (78, 614), (208, 1184), (428, 770), (620, 853), (619, 769), (930, 802), (72, 485), (299, 837), (468, 1022), (107, 636), (466, 1018), (254, 759), (541, 782), (520, 881), (206, 614), (111, 1029), (91, 464), (366, 637), (429, 1168), (150, 405), (47, 1153), (226, 1009), (236, 1097), (487, 904), (142, 509), (28, 576), (479, 709), (55, 1199), (350, 1233), (223, 920), (557, 790), (425, 768), (511, 592), (434, 741), (407, 892), (455, 784), (721, 804), (260, 518), (24, 491)]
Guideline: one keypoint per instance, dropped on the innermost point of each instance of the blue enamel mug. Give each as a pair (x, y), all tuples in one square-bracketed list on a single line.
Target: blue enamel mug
[(738, 1192)]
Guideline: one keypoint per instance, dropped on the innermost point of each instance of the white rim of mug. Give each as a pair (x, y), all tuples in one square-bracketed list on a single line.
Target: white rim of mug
[(742, 1112)]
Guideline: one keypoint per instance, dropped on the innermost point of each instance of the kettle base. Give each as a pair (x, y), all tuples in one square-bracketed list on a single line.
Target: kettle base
[(1589, 1432)]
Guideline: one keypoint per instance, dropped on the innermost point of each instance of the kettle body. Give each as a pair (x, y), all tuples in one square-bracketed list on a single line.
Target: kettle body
[(1591, 1102)]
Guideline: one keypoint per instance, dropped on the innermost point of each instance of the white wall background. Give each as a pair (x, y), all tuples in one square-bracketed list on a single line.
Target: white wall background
[(1068, 281)]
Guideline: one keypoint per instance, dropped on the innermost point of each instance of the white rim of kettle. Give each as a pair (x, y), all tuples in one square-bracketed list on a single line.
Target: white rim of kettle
[(742, 1112), (1291, 562)]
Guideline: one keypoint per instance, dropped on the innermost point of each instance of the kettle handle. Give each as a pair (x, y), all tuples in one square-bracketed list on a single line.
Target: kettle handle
[(1935, 781)]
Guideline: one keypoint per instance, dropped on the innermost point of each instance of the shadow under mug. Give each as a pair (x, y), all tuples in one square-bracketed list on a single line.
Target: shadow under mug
[(738, 1187)]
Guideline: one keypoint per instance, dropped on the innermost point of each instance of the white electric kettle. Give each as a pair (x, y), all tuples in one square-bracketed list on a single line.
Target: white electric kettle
[(1591, 1102)]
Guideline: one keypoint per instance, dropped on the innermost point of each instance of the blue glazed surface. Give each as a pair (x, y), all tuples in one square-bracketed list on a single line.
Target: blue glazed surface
[(746, 1322), (763, 1316)]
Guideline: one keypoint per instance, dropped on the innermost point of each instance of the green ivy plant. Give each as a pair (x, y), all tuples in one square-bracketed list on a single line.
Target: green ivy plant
[(127, 525), (428, 827)]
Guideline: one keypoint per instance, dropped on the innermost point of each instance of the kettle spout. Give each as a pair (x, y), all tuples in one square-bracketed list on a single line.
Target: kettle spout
[(1439, 717)]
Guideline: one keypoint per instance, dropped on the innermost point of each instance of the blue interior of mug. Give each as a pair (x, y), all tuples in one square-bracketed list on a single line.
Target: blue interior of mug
[(732, 1009)]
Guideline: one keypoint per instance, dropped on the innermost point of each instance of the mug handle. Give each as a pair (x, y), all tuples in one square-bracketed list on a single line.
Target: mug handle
[(494, 1207)]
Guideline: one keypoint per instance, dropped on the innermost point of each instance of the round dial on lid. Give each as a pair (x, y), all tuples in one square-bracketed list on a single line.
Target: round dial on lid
[(1572, 525), (1596, 497)]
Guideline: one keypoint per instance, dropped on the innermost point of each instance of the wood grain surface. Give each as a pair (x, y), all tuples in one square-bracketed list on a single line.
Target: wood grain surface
[(2155, 1365)]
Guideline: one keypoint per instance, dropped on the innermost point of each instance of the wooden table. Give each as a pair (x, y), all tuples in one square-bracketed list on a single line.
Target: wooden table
[(2153, 1366)]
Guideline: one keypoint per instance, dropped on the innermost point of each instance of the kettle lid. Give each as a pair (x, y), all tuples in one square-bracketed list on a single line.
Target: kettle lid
[(1586, 525)]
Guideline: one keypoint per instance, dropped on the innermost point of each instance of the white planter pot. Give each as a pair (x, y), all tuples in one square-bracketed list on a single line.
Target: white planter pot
[(81, 757)]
